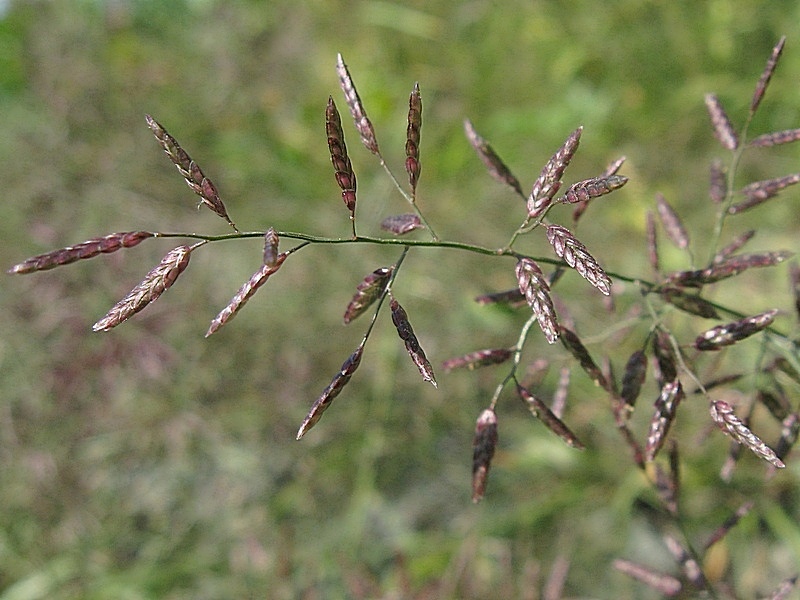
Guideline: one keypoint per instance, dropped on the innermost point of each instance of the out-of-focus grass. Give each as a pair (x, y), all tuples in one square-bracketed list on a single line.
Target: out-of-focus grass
[(151, 463)]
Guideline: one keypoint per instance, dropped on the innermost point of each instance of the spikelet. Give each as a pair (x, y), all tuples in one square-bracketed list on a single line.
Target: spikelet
[(334, 388), (199, 183), (494, 164), (776, 138), (534, 287), (652, 241), (581, 354), (588, 189), (633, 378), (549, 181), (723, 415), (673, 226), (733, 247), (483, 447), (688, 563), (662, 583), (790, 428), (688, 303), (271, 241), (794, 279), (665, 358), (761, 191), (412, 136), (511, 297), (87, 249), (540, 410), (247, 291), (161, 277), (666, 407), (717, 182), (730, 333), (343, 170), (479, 358), (729, 523), (406, 333), (362, 122), (367, 292), (402, 224), (766, 75), (576, 255), (729, 267), (723, 129)]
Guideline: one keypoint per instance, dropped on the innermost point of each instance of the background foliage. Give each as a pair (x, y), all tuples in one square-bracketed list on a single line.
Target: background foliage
[(151, 463)]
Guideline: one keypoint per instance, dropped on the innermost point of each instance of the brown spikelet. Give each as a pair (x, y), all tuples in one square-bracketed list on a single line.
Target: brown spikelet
[(723, 415), (334, 388), (729, 267), (766, 75), (402, 224), (87, 249), (483, 447), (794, 279), (688, 303), (652, 241), (718, 184), (161, 277), (271, 241), (760, 191), (576, 255), (199, 183), (494, 164), (573, 343), (730, 333), (688, 563), (665, 357), (412, 136), (583, 191), (534, 287), (540, 410), (733, 247), (666, 406), (673, 226), (775, 402), (614, 167), (406, 333), (247, 291), (633, 378), (549, 181), (362, 122), (728, 524), (776, 138), (343, 170), (790, 428), (511, 297), (479, 358), (723, 129), (367, 292), (662, 583)]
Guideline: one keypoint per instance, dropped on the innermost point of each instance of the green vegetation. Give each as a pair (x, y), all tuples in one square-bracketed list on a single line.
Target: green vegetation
[(150, 462)]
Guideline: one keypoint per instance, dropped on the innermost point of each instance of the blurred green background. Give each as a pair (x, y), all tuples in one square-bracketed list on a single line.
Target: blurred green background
[(150, 462)]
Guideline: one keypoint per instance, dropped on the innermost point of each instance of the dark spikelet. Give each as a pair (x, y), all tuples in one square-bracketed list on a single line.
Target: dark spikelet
[(343, 170), (666, 407), (688, 563), (87, 249), (723, 129), (790, 427), (730, 333), (688, 303), (479, 358), (794, 278), (664, 487), (161, 277), (483, 447), (776, 138), (199, 183), (271, 241), (362, 122), (367, 292), (673, 226), (718, 184), (576, 255), (662, 583), (652, 241), (733, 247), (533, 285), (247, 291), (334, 387), (586, 190), (760, 191), (723, 415), (665, 357), (540, 410), (412, 136), (494, 164), (549, 181), (776, 403), (511, 297), (783, 591), (573, 343), (401, 224), (728, 524), (728, 268), (406, 333), (766, 75), (611, 170), (633, 378)]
